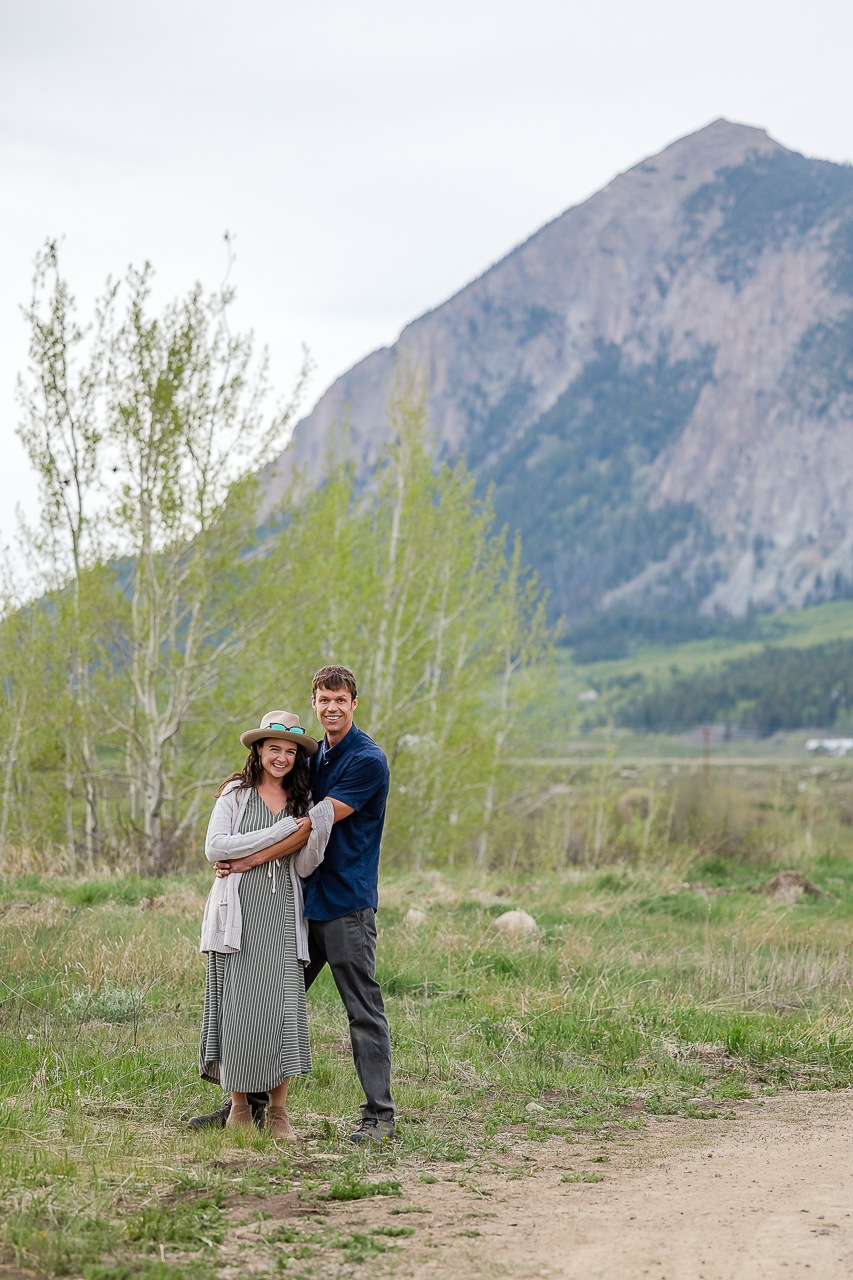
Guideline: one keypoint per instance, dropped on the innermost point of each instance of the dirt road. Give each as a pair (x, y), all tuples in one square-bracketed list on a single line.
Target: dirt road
[(767, 1194)]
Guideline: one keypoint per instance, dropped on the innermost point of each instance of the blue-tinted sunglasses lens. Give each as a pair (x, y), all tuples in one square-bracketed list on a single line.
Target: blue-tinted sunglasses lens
[(287, 728)]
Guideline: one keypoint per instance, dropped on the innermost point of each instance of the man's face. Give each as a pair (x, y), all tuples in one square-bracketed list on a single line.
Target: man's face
[(334, 709)]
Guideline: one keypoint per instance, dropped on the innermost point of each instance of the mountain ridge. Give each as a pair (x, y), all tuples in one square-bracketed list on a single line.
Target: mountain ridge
[(656, 383)]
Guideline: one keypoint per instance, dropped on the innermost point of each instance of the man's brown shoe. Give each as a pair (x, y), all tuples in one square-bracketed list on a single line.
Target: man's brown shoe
[(279, 1126)]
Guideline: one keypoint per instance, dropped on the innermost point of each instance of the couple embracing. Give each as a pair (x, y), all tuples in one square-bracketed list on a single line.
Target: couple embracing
[(295, 838)]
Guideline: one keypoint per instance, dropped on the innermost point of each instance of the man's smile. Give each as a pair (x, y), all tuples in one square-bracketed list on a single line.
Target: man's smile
[(334, 709)]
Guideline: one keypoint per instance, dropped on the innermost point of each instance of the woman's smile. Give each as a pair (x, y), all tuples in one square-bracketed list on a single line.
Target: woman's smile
[(277, 758)]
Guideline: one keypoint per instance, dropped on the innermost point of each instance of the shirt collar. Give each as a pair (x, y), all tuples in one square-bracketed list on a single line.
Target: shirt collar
[(332, 753)]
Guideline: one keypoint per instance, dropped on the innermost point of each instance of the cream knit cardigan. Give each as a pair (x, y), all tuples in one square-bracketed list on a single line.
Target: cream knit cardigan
[(222, 925)]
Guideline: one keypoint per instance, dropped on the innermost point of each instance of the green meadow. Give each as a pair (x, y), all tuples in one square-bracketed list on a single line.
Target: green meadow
[(675, 982)]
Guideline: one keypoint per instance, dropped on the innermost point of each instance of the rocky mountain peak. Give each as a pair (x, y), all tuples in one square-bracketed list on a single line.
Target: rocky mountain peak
[(658, 384)]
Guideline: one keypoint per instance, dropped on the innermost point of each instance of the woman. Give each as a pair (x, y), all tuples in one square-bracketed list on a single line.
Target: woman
[(254, 1033)]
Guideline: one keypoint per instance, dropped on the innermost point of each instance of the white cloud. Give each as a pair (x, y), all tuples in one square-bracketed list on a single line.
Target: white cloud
[(371, 157)]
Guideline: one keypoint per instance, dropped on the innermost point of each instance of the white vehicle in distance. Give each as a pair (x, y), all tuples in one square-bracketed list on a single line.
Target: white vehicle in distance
[(829, 746)]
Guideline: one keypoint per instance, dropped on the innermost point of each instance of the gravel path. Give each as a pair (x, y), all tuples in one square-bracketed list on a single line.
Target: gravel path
[(767, 1194)]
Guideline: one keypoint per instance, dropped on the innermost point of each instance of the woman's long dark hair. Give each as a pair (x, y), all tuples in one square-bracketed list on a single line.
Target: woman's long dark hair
[(294, 784)]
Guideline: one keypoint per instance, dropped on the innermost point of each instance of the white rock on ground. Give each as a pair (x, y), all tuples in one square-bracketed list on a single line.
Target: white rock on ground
[(515, 923)]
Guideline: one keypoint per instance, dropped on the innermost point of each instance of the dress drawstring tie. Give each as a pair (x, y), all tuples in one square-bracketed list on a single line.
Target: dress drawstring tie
[(271, 866)]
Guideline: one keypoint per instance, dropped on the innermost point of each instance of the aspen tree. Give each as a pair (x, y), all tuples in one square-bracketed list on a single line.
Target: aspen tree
[(186, 431), (61, 432)]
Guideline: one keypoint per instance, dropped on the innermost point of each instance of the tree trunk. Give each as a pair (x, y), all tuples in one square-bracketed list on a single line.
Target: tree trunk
[(91, 831), (8, 780), (69, 807), (483, 847), (153, 806)]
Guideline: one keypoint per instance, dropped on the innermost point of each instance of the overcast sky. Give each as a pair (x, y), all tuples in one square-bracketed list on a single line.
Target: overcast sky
[(371, 157)]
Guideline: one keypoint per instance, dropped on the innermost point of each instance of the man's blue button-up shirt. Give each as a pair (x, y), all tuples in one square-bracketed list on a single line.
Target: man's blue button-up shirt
[(355, 772)]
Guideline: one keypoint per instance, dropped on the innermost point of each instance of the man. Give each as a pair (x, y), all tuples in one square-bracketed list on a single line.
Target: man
[(341, 896)]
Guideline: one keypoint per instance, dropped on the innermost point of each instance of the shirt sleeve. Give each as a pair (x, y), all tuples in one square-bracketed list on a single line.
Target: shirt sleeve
[(363, 779)]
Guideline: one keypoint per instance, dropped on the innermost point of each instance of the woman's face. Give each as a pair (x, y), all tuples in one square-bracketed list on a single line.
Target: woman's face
[(277, 758)]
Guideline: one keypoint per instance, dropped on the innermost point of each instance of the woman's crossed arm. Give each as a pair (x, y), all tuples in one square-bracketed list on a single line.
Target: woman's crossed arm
[(282, 848)]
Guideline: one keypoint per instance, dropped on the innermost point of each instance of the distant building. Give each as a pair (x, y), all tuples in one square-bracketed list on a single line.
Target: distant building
[(830, 746)]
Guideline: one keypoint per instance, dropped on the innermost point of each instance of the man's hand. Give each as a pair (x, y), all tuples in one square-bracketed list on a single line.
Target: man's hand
[(235, 865)]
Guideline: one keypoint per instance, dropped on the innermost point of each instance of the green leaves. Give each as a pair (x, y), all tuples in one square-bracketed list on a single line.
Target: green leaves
[(412, 587), (174, 614)]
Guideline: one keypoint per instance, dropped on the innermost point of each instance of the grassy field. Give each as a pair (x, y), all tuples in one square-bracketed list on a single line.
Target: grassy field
[(665, 984)]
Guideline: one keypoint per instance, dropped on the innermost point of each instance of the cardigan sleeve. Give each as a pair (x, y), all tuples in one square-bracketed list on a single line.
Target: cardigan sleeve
[(308, 859), (222, 842)]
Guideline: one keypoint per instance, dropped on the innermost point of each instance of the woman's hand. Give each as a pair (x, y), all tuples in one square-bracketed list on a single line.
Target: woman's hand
[(229, 867)]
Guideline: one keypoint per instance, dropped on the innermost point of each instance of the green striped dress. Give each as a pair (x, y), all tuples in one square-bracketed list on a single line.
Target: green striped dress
[(254, 1032)]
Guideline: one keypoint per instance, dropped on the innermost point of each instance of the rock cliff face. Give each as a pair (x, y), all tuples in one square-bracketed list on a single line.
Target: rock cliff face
[(658, 384)]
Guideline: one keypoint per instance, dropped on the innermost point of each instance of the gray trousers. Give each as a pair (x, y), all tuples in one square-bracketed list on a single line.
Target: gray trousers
[(348, 946)]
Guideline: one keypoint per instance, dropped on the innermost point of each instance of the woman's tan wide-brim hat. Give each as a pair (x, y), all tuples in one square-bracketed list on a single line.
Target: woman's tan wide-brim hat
[(281, 724)]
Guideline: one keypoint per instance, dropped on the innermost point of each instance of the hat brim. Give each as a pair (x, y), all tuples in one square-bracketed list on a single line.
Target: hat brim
[(301, 739)]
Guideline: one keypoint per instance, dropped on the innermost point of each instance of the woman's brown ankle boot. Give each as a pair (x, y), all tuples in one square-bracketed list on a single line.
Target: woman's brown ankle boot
[(279, 1126), (239, 1117)]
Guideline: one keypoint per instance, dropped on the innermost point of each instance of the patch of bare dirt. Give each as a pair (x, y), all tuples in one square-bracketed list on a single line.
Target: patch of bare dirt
[(791, 885), (767, 1194), (788, 886), (9, 1269), (276, 1205), (240, 1166)]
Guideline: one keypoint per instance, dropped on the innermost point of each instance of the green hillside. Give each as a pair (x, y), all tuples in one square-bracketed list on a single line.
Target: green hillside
[(659, 671), (782, 687)]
